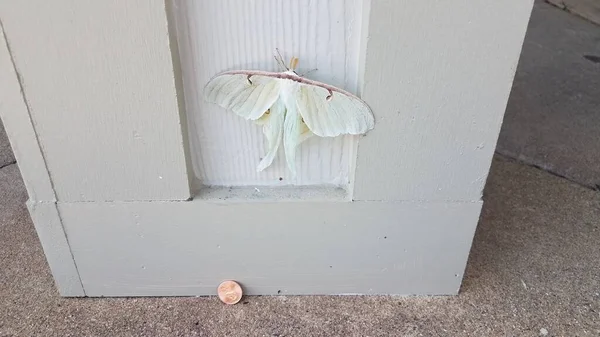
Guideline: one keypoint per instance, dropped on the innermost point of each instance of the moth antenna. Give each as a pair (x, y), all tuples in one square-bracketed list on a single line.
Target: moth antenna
[(281, 67), (280, 60), (308, 72), (278, 53)]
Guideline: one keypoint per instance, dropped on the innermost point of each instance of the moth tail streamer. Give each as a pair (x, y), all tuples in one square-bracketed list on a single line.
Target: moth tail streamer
[(272, 122), (292, 137)]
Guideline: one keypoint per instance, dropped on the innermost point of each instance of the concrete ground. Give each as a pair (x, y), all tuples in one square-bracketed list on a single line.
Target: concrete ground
[(553, 114), (588, 9), (6, 155), (534, 269)]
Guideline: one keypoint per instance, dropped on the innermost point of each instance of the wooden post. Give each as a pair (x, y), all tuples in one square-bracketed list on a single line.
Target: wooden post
[(104, 113)]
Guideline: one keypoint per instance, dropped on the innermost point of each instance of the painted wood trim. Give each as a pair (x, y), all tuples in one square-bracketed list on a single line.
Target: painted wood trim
[(437, 76), (48, 225), (19, 128), (193, 182), (102, 94), (31, 162), (188, 248)]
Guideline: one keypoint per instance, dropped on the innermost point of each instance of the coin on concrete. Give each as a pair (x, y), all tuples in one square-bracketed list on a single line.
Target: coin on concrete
[(230, 292)]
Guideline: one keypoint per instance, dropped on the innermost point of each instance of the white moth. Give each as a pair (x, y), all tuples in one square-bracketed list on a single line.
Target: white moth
[(290, 107)]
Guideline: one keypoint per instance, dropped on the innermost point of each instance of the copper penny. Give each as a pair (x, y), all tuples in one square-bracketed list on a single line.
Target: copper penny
[(229, 292)]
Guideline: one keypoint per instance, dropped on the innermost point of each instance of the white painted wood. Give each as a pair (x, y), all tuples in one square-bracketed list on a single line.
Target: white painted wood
[(48, 226), (188, 248), (98, 79), (215, 36), (16, 119), (19, 128), (437, 76), (282, 194)]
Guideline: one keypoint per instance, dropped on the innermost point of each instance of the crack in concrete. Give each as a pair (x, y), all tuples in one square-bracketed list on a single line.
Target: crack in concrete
[(8, 164), (595, 187)]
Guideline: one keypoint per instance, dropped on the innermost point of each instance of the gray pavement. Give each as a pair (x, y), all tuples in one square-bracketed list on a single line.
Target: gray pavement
[(553, 114), (6, 155)]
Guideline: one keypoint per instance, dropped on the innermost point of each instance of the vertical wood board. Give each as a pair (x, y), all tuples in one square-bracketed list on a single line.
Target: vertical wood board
[(99, 82), (31, 162), (437, 76), (49, 228), (216, 36), (19, 128)]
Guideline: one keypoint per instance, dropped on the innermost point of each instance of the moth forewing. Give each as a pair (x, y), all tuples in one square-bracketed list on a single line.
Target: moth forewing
[(232, 91)]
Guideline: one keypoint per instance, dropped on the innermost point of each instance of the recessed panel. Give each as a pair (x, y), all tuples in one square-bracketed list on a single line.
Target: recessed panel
[(216, 36)]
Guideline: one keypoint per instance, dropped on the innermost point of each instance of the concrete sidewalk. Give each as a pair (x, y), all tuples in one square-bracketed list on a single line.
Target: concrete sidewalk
[(6, 155), (553, 114)]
